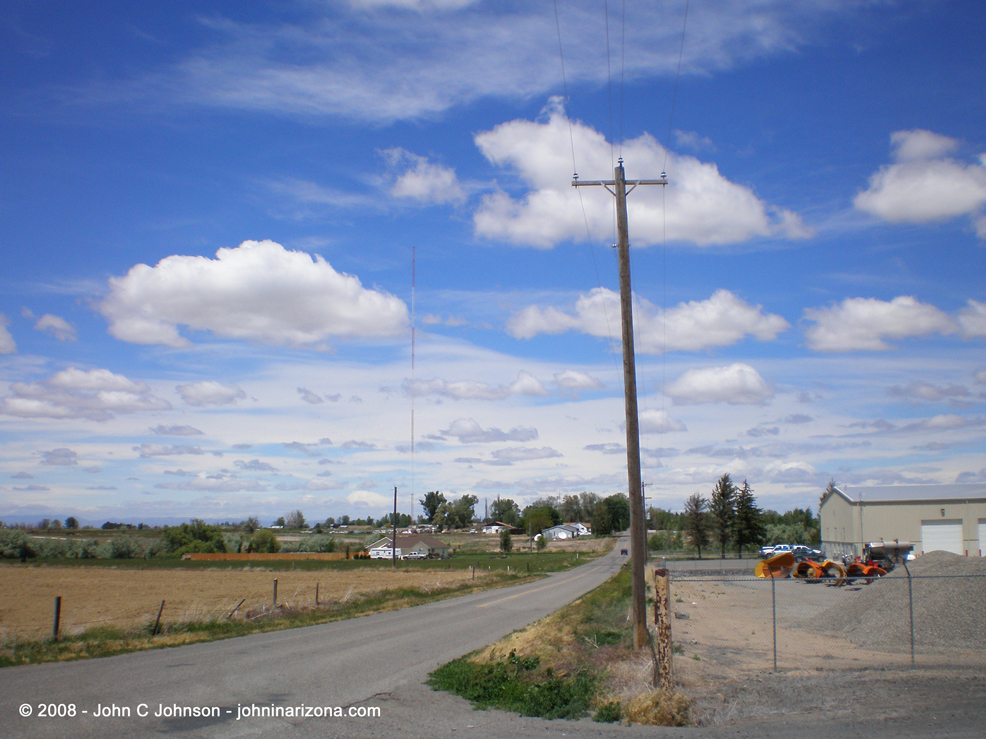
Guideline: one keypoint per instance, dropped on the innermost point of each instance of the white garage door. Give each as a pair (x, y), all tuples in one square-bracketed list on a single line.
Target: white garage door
[(944, 535), (982, 537)]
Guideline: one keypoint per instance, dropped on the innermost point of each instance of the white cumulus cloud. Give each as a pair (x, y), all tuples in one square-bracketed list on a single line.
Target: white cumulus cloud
[(575, 381), (722, 320), (525, 384), (737, 384), (924, 391), (523, 454), (658, 422), (925, 185), (468, 431), (972, 320), (73, 393), (210, 392), (369, 499), (703, 207), (56, 326), (865, 323), (309, 397), (7, 343), (258, 291), (422, 180)]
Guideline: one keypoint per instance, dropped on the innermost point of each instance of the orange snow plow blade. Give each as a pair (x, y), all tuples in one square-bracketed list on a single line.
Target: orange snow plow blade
[(834, 570), (809, 570), (779, 566)]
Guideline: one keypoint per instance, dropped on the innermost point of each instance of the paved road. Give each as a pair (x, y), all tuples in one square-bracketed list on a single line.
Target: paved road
[(380, 663), (340, 664)]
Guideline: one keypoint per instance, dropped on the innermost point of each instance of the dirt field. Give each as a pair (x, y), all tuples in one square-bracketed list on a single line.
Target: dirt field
[(94, 596)]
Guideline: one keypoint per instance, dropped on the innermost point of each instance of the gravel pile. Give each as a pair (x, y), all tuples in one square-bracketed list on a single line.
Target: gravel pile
[(949, 606)]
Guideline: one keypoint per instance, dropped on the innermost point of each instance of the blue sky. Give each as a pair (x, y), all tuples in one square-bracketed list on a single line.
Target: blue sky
[(209, 212)]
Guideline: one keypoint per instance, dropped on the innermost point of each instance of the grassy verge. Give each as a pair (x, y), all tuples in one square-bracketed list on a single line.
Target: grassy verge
[(104, 642), (519, 562), (576, 662)]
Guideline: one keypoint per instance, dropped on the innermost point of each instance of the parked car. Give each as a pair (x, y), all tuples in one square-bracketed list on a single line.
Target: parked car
[(771, 550), (802, 552), (415, 555)]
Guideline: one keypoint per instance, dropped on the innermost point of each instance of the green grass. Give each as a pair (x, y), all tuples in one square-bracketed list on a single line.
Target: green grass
[(558, 677), (517, 685), (560, 666), (516, 562)]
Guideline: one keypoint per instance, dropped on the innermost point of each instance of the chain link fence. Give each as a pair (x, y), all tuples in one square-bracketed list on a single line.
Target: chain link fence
[(730, 626)]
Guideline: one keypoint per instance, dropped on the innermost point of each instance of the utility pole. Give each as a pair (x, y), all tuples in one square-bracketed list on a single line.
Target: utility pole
[(393, 549), (638, 530)]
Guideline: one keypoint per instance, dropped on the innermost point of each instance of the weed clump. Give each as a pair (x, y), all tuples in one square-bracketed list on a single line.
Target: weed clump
[(658, 708), (517, 684)]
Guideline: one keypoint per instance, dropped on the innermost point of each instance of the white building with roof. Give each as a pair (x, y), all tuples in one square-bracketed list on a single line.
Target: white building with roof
[(951, 518)]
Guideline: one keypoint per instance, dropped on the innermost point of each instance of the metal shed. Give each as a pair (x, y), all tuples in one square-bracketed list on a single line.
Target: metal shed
[(934, 517)]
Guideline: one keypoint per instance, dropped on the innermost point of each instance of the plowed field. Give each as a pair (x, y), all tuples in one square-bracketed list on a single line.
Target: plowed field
[(94, 596)]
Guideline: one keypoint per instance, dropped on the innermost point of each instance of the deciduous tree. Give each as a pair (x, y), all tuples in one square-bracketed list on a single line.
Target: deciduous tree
[(431, 503), (504, 510)]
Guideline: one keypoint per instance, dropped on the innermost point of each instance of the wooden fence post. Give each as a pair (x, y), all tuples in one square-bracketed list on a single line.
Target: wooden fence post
[(58, 616), (157, 621), (233, 612), (662, 620), (275, 592), (316, 593)]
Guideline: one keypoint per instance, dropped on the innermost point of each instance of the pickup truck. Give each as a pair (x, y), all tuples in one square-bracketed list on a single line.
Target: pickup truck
[(770, 550)]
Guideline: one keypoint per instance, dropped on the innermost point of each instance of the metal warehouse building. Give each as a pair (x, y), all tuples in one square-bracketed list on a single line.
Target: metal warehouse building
[(947, 517)]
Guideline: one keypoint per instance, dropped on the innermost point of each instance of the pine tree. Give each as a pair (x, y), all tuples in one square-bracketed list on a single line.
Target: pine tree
[(722, 511), (696, 521), (749, 526)]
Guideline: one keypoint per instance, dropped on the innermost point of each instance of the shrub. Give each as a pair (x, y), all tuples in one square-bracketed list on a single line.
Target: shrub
[(317, 544), (264, 542), (15, 545), (83, 549), (49, 548), (506, 541), (197, 546), (181, 539), (608, 713), (126, 547)]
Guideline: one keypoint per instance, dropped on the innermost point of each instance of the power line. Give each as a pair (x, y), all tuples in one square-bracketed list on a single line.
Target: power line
[(414, 262), (575, 169), (674, 96)]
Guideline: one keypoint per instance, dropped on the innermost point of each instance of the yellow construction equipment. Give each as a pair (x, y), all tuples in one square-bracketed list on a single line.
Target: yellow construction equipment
[(778, 566)]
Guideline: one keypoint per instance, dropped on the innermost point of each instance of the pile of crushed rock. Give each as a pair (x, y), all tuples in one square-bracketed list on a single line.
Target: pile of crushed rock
[(949, 607)]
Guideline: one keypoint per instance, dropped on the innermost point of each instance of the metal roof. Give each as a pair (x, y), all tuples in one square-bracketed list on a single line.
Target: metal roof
[(893, 493)]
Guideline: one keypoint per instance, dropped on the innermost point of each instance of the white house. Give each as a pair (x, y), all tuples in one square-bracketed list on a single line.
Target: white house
[(417, 544), (562, 531)]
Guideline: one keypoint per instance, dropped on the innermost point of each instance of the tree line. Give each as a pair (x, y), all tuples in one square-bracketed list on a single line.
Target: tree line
[(730, 519), (603, 515)]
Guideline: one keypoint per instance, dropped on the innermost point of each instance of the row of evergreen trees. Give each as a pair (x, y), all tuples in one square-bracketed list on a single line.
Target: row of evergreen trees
[(731, 516)]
